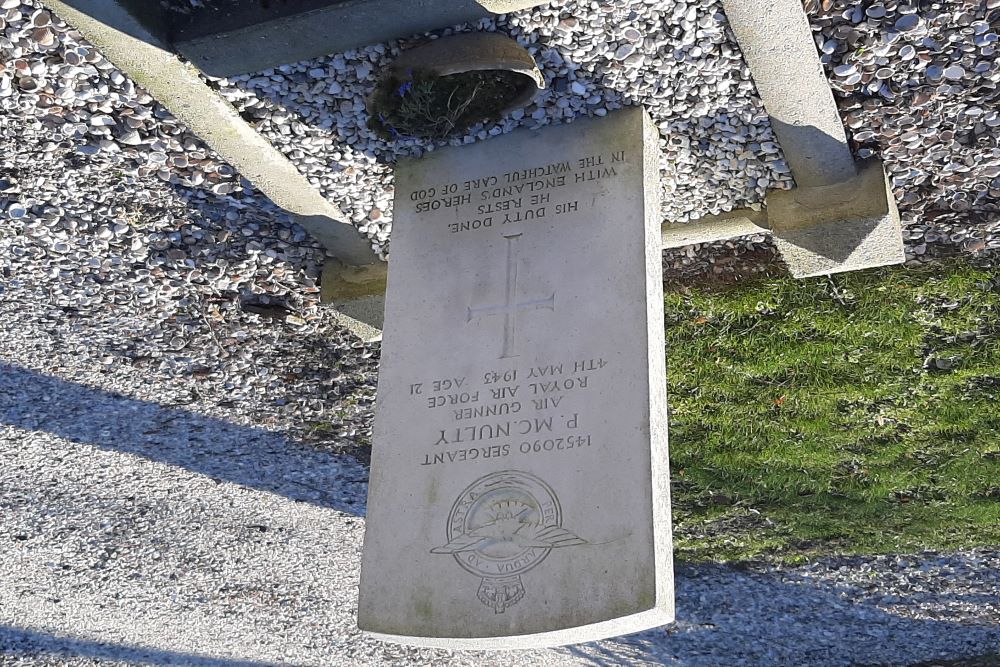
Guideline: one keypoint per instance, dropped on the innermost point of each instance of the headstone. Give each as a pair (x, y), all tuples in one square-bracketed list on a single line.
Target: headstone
[(519, 489)]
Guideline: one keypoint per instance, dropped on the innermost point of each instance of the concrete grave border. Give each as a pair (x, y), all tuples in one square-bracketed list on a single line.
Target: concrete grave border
[(841, 216), (837, 219), (308, 34), (131, 34)]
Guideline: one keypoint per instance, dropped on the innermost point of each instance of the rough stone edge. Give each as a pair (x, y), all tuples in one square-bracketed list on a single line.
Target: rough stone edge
[(657, 378), (310, 34)]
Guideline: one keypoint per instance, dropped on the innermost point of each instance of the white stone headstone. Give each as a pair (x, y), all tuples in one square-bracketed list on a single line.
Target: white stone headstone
[(519, 486)]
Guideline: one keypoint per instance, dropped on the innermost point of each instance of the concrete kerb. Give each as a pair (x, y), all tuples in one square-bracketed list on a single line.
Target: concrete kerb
[(332, 29), (838, 218), (846, 226), (713, 228), (175, 84), (778, 45), (357, 294)]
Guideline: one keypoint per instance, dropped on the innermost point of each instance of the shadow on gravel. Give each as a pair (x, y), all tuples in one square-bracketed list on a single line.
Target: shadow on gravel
[(218, 449), (24, 643), (725, 615), (729, 617)]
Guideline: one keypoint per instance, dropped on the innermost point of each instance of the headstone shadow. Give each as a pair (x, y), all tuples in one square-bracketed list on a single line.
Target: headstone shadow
[(761, 619), (29, 644), (244, 455)]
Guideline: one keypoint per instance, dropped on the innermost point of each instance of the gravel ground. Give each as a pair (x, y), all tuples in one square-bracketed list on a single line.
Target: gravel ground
[(140, 533), (148, 253), (175, 405), (917, 85)]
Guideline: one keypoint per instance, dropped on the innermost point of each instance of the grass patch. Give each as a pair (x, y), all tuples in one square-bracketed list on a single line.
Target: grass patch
[(852, 414)]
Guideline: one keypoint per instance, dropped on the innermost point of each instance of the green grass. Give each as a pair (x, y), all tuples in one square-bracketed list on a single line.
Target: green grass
[(852, 414)]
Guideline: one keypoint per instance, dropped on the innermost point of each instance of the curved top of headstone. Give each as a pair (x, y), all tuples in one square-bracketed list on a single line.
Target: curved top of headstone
[(473, 51)]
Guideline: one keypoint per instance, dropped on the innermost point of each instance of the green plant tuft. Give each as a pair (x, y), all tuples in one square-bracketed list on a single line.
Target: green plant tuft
[(422, 104)]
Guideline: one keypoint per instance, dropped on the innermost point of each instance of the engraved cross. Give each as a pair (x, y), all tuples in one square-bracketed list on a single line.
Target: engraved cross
[(511, 306)]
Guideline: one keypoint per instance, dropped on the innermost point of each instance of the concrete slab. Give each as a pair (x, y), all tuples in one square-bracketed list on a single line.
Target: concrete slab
[(843, 227), (509, 507)]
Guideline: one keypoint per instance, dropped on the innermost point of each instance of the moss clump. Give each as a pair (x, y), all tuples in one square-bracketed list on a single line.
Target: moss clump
[(423, 104)]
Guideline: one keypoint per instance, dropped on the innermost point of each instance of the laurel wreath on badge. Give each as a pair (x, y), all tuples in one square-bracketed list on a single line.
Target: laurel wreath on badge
[(501, 526)]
